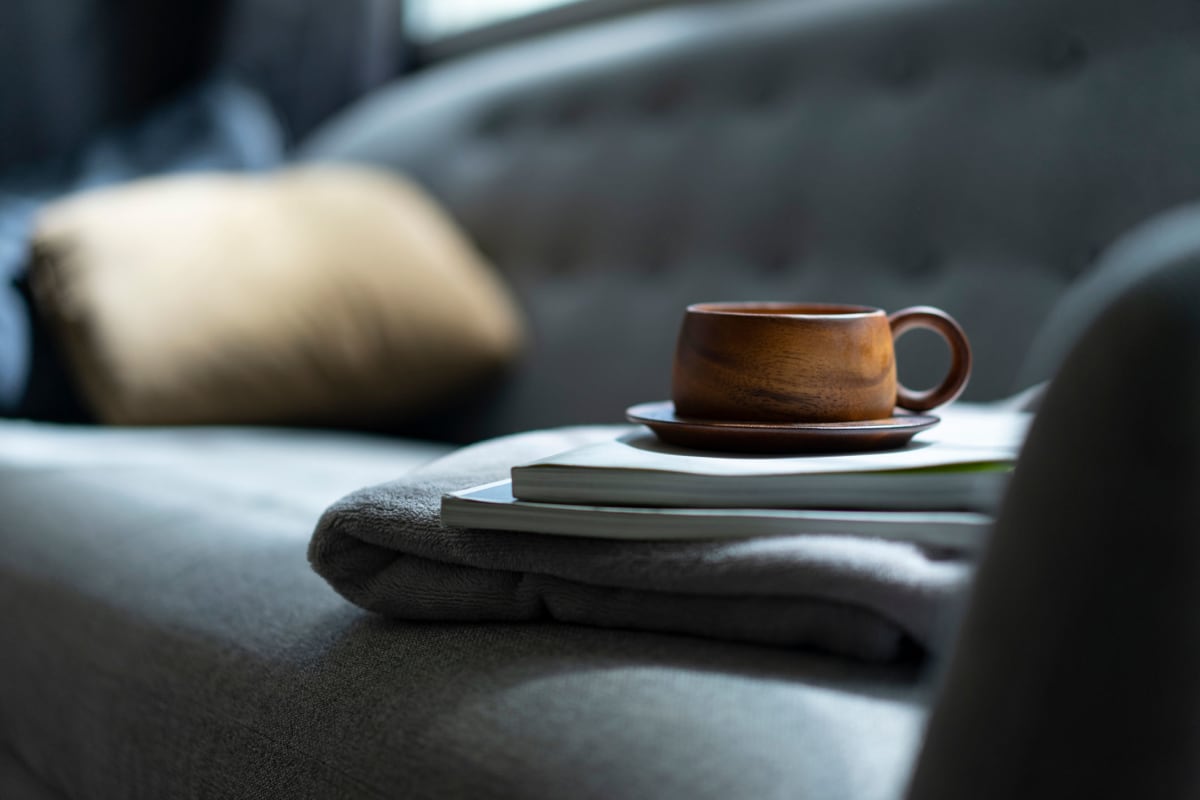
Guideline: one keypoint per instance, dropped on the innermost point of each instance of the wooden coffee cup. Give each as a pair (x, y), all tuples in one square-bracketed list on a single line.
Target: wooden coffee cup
[(793, 362)]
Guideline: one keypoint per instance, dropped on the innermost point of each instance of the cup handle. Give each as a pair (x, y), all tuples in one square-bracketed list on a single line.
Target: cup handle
[(940, 322)]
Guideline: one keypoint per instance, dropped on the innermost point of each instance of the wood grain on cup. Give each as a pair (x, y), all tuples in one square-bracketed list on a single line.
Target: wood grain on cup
[(788, 362)]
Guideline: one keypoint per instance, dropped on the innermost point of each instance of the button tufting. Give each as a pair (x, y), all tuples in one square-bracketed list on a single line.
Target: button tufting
[(562, 253), (774, 259), (903, 68), (1065, 53), (763, 89), (571, 112), (498, 122), (656, 254), (921, 263), (664, 98)]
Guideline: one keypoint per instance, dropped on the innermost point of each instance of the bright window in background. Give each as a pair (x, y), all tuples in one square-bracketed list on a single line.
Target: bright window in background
[(434, 19)]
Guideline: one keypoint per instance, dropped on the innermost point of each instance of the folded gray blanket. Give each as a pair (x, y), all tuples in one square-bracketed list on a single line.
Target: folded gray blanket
[(384, 548)]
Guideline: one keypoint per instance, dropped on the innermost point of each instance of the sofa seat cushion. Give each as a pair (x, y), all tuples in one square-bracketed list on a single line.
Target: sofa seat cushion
[(165, 636)]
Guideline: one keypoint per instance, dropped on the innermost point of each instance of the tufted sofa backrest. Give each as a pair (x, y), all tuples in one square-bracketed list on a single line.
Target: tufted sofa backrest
[(971, 154)]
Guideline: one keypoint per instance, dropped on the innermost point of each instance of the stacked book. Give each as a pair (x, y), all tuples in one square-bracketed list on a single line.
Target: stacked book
[(939, 490)]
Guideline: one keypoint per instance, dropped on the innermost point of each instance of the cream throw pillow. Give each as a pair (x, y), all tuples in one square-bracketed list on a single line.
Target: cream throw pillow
[(321, 294)]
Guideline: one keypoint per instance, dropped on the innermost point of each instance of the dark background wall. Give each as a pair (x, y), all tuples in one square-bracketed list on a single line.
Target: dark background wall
[(311, 57), (70, 68)]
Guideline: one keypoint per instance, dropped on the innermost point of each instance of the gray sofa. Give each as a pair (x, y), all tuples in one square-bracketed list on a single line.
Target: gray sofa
[(163, 635)]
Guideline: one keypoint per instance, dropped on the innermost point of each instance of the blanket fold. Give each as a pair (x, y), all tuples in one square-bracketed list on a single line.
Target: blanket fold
[(384, 548)]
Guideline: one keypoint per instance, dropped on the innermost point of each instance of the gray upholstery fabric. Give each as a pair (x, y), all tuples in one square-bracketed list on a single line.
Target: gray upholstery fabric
[(384, 548), (972, 155), (1075, 673), (164, 636), (18, 783), (309, 467)]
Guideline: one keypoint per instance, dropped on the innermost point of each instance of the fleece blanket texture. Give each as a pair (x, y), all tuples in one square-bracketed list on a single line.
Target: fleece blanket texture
[(385, 549)]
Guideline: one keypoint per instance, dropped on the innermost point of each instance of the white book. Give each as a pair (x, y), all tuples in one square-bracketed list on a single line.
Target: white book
[(963, 463), (492, 506)]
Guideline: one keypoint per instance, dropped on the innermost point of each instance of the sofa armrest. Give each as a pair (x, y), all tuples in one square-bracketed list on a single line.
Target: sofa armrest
[(1077, 668), (1148, 248)]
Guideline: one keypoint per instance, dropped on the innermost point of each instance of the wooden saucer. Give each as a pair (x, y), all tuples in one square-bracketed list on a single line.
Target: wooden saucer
[(779, 437)]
